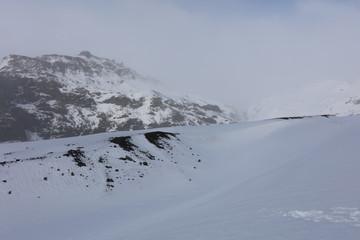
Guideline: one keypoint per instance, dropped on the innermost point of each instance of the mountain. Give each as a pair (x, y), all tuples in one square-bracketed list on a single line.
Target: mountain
[(328, 97), (54, 96), (273, 179)]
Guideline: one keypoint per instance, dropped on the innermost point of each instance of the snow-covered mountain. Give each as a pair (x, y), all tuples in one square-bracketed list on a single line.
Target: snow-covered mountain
[(56, 96), (274, 179), (328, 97)]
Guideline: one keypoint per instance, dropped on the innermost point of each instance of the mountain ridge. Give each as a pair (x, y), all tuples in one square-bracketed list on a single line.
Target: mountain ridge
[(55, 96)]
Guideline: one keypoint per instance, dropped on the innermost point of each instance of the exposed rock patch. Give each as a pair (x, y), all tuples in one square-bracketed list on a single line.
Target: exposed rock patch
[(77, 155), (124, 142), (157, 138)]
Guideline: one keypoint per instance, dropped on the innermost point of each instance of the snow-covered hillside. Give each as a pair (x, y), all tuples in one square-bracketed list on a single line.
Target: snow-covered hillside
[(328, 97), (55, 96), (274, 179)]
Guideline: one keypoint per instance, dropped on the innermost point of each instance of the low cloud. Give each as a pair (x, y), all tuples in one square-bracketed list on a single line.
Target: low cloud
[(235, 58)]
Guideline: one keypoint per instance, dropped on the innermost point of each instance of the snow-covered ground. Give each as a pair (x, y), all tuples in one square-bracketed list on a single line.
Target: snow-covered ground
[(338, 98), (274, 179)]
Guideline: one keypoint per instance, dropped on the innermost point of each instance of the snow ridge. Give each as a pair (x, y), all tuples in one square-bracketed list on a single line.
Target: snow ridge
[(274, 179)]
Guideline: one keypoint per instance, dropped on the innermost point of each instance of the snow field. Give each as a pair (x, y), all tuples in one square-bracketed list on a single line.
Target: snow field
[(274, 179)]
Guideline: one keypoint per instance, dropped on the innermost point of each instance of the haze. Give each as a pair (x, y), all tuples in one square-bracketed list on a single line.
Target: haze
[(236, 52)]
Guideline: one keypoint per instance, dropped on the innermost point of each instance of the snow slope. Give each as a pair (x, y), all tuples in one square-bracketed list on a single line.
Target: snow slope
[(338, 98), (274, 179)]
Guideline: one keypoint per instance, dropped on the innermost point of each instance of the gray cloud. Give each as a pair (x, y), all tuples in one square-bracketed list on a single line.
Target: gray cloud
[(233, 58)]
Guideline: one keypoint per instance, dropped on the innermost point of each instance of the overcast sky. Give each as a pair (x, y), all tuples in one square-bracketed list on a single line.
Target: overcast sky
[(232, 51)]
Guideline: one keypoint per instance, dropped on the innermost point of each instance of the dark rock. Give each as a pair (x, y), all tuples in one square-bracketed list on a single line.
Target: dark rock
[(210, 107), (157, 138), (85, 54), (109, 180), (288, 118), (127, 158), (125, 101), (124, 142), (77, 156)]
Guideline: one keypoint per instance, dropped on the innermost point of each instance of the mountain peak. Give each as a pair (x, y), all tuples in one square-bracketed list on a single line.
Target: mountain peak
[(86, 54), (60, 96)]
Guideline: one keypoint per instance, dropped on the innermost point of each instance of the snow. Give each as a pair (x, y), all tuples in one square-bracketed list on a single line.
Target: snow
[(100, 80), (335, 215), (32, 136), (274, 179), (5, 62), (327, 97)]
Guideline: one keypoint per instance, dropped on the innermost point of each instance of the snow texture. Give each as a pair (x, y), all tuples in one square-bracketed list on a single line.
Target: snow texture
[(273, 179), (334, 215)]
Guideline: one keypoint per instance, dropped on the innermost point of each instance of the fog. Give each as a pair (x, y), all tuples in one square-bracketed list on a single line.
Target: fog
[(236, 52)]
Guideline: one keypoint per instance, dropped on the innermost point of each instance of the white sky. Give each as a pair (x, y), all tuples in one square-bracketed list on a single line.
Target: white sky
[(236, 52)]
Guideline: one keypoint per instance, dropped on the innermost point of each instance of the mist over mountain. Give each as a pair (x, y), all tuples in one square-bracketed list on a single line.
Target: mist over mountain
[(55, 96), (337, 98), (182, 120)]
